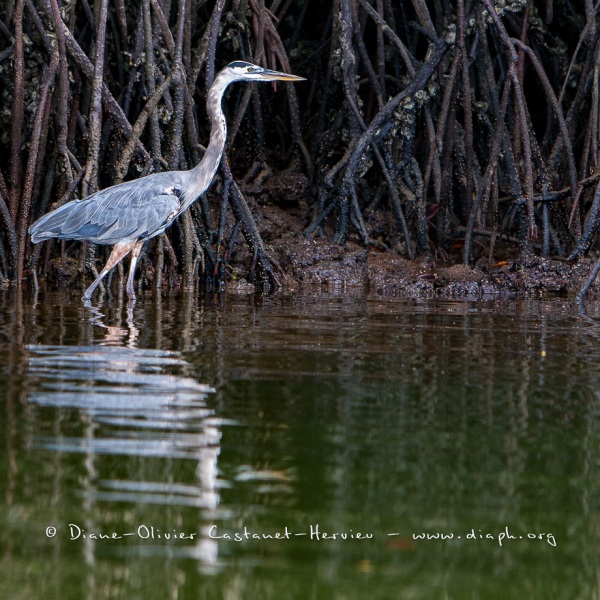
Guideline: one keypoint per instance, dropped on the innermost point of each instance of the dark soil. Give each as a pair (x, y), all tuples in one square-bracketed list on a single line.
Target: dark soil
[(318, 260)]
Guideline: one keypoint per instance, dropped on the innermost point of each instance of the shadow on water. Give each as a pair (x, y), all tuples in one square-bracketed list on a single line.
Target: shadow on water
[(219, 440)]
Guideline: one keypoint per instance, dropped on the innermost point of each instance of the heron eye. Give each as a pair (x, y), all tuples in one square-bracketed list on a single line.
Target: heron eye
[(249, 70)]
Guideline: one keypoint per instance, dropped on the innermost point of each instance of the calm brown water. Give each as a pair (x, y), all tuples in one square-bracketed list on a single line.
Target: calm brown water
[(148, 453)]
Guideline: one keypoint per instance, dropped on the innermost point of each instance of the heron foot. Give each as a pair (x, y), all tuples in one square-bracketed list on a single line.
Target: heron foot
[(87, 295)]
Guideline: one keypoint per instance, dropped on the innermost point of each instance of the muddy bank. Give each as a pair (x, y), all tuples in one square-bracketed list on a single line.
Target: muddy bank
[(320, 261)]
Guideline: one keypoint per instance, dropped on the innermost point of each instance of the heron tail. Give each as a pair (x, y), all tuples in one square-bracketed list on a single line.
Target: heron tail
[(51, 225)]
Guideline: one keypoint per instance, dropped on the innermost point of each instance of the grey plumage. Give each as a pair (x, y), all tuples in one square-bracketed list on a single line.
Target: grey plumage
[(128, 214)]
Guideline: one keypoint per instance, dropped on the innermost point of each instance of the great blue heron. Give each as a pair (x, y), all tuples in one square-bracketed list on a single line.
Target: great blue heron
[(128, 214)]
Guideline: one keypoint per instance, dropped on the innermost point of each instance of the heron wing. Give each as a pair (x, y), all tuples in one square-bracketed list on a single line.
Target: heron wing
[(137, 209)]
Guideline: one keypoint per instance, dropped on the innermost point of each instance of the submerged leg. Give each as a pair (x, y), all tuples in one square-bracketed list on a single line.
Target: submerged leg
[(135, 254), (119, 252)]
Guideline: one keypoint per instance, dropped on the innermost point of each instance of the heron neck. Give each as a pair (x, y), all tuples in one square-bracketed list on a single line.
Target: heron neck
[(203, 173)]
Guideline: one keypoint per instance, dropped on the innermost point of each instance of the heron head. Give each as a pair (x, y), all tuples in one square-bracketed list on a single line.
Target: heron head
[(244, 71)]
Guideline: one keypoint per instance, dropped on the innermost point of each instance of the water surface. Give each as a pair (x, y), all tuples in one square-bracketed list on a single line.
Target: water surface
[(302, 446)]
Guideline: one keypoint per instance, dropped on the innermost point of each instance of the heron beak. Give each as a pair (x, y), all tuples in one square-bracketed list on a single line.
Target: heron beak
[(269, 75)]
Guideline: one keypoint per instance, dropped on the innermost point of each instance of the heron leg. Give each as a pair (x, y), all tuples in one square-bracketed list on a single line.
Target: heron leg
[(119, 252), (135, 254)]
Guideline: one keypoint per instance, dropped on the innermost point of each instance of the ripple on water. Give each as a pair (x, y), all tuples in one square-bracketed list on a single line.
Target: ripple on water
[(137, 404)]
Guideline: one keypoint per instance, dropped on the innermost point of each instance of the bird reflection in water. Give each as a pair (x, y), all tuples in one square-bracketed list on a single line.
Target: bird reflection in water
[(139, 417), (115, 334)]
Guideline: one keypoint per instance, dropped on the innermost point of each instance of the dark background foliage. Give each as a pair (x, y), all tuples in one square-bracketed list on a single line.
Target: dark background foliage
[(423, 125)]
